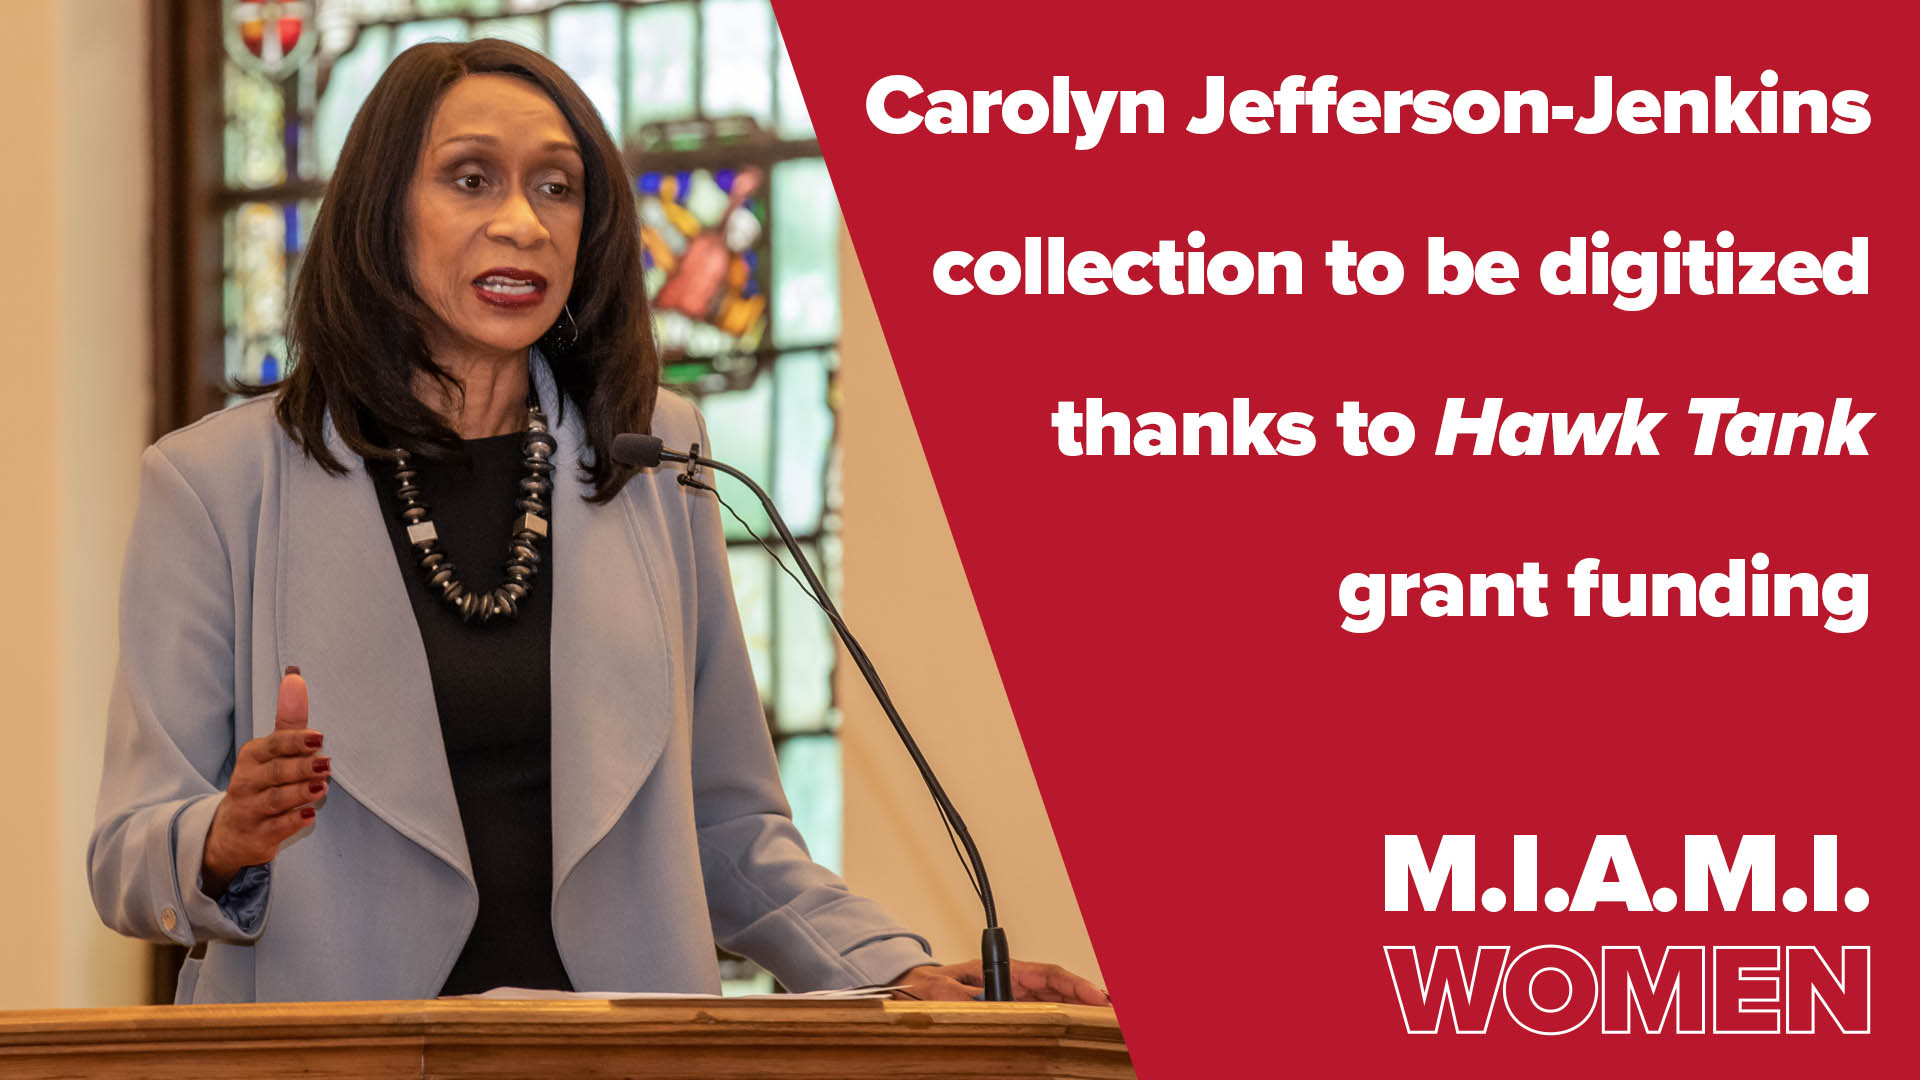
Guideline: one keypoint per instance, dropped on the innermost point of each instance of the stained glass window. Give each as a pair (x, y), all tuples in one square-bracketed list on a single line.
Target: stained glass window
[(700, 233), (740, 232)]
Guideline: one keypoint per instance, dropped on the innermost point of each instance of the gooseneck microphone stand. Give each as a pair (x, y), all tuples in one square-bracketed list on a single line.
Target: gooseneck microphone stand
[(646, 452)]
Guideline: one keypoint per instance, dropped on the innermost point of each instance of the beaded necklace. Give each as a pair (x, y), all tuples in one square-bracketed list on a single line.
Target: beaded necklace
[(523, 549)]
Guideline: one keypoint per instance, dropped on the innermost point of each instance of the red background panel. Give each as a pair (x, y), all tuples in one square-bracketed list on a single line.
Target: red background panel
[(1219, 758)]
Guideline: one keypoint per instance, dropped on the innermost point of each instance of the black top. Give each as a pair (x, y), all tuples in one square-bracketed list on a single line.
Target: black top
[(492, 686)]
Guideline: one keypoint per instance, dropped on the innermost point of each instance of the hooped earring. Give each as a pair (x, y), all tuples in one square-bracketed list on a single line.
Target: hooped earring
[(573, 330)]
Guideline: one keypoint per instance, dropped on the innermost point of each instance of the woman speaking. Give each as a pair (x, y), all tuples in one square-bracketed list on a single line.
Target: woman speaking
[(419, 692)]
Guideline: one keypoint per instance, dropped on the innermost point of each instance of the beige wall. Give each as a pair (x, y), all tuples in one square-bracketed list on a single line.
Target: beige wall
[(29, 374), (907, 598), (73, 294), (106, 381)]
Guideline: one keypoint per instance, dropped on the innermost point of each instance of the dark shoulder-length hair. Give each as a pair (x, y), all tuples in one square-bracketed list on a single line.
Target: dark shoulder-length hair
[(356, 327)]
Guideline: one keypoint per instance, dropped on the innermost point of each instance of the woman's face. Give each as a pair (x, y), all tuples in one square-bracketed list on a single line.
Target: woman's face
[(493, 216)]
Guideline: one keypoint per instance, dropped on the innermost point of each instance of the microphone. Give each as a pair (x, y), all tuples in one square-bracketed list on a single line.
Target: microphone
[(647, 452), (643, 451)]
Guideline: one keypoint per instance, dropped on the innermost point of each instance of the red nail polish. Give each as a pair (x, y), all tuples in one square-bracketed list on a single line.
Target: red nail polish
[(306, 813), (314, 740), (292, 669), (316, 787), (323, 765)]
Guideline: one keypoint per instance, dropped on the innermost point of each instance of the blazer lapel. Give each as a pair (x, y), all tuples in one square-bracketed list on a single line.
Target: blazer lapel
[(613, 685), (345, 619)]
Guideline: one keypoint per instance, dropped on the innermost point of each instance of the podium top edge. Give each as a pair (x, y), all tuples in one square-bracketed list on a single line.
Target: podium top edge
[(469, 1019)]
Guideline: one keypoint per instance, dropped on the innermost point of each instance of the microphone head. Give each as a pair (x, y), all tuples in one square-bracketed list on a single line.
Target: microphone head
[(637, 451)]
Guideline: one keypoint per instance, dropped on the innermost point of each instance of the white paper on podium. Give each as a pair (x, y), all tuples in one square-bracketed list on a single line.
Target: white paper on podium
[(515, 993)]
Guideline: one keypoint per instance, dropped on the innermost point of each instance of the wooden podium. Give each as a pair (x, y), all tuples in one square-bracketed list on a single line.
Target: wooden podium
[(710, 1039)]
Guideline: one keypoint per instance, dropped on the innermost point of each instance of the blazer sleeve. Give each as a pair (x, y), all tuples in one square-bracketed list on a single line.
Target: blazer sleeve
[(170, 727), (768, 899)]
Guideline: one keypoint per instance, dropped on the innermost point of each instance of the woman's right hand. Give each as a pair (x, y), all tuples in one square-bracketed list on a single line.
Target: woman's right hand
[(276, 781)]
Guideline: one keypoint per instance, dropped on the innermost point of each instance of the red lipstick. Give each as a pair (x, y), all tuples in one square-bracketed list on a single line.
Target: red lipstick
[(510, 287)]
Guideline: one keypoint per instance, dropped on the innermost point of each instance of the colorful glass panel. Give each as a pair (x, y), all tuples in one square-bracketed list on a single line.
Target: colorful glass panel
[(805, 644), (348, 83), (737, 59), (832, 549), (806, 255), (521, 30), (407, 35), (346, 14), (741, 424), (255, 298), (740, 976), (804, 422), (794, 121), (660, 55), (810, 771), (585, 41), (754, 579), (256, 154), (459, 7), (700, 233)]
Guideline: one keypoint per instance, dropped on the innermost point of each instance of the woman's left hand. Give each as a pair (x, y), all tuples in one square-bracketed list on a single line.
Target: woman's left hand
[(1031, 982)]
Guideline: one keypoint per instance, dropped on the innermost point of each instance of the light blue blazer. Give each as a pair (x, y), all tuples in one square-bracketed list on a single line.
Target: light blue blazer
[(670, 829)]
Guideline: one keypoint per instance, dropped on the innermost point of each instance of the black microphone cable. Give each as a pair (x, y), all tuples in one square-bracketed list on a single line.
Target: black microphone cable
[(647, 451), (852, 647)]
